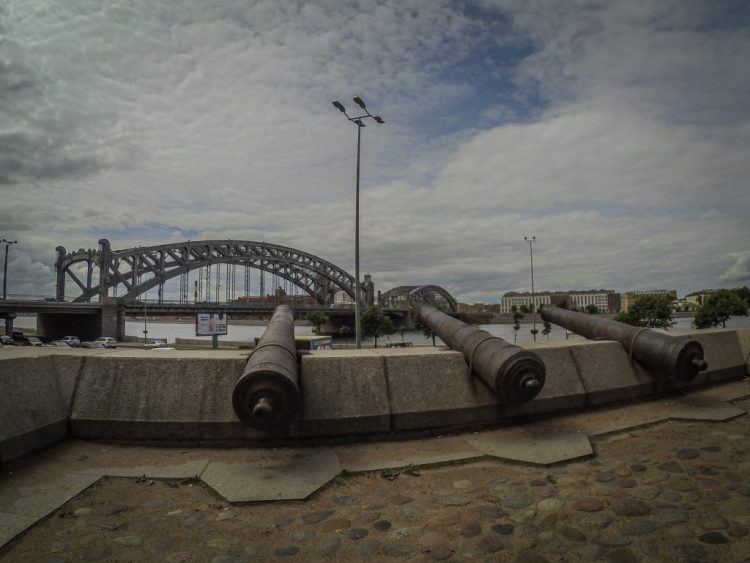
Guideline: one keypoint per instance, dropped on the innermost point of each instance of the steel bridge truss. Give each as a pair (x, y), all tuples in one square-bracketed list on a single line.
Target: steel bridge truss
[(143, 268), (412, 296)]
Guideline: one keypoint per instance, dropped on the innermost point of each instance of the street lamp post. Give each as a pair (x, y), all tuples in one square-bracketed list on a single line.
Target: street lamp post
[(5, 268), (145, 321), (533, 300), (357, 289)]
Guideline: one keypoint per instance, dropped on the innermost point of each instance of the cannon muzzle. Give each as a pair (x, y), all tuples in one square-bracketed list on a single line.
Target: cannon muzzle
[(267, 396), (679, 357), (514, 374)]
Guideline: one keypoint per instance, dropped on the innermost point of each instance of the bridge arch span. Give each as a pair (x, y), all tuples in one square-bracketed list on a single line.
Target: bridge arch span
[(414, 295), (140, 269)]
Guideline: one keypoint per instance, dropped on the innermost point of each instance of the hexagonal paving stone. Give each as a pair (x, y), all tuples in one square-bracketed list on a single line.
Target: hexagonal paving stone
[(290, 475), (539, 444), (694, 407)]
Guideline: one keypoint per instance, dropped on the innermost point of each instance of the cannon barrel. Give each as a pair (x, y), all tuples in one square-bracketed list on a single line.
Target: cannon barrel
[(514, 374), (673, 356), (267, 396)]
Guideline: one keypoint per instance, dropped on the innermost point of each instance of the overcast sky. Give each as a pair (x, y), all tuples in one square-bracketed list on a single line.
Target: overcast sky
[(617, 133)]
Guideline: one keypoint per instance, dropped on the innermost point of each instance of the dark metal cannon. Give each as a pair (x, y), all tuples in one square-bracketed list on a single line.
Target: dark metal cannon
[(674, 356), (514, 374), (267, 396)]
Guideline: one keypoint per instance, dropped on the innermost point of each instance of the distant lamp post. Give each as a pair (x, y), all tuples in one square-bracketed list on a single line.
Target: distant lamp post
[(357, 289), (145, 321), (5, 268), (533, 300)]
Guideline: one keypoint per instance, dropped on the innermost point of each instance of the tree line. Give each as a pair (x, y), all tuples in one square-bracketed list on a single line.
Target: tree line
[(651, 311), (655, 311)]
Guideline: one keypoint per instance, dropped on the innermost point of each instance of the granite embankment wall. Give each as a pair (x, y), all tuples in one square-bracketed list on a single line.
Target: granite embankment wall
[(172, 397)]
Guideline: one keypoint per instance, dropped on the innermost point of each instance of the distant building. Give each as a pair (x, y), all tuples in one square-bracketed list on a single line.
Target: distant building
[(605, 300), (478, 308), (697, 298), (630, 297), (279, 298), (518, 300), (342, 298)]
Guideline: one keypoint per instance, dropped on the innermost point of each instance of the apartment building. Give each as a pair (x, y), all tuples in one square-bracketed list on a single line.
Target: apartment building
[(629, 297), (605, 300)]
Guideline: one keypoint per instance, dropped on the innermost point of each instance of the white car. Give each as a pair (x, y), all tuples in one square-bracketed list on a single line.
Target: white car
[(155, 344), (59, 344), (107, 341), (71, 341)]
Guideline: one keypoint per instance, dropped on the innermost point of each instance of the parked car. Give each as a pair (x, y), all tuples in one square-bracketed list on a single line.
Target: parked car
[(107, 341), (71, 341), (6, 340), (59, 344), (32, 341), (155, 344)]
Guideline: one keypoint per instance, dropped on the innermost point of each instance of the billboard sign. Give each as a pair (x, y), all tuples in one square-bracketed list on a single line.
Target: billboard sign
[(210, 324), (321, 344)]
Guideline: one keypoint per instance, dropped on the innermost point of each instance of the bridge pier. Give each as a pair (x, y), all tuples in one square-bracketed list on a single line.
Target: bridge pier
[(112, 318), (9, 323)]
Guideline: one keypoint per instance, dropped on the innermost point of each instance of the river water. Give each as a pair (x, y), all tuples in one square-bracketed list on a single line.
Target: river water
[(248, 333)]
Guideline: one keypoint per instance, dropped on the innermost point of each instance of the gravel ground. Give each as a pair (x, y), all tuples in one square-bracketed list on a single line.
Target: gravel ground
[(674, 492)]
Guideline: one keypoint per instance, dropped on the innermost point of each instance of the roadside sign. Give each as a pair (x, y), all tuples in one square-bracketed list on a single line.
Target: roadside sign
[(210, 324)]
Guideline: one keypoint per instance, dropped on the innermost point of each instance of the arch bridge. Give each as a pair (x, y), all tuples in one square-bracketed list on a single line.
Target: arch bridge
[(99, 273), (410, 296)]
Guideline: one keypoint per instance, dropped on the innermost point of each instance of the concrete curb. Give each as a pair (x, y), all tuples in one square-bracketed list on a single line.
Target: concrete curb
[(185, 397)]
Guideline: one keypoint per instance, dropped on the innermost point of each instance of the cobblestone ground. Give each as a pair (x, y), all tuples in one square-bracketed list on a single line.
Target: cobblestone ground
[(675, 492)]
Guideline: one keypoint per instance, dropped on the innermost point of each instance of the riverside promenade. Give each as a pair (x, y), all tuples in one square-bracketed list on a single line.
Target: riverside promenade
[(659, 480)]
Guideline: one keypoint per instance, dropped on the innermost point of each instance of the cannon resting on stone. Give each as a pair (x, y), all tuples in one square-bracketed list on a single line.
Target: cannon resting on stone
[(267, 395), (674, 356), (514, 374)]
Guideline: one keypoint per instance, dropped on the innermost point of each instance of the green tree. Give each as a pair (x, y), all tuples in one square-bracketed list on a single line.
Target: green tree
[(525, 309), (375, 323), (517, 316), (592, 309), (547, 329), (316, 319), (718, 307), (652, 311), (744, 294), (426, 331)]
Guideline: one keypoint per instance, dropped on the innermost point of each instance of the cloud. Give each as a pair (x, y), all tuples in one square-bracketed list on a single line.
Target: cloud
[(617, 133), (600, 156), (739, 271)]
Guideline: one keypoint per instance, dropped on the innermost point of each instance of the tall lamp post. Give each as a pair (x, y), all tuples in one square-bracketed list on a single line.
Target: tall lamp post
[(5, 268), (533, 300), (357, 289), (145, 320)]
